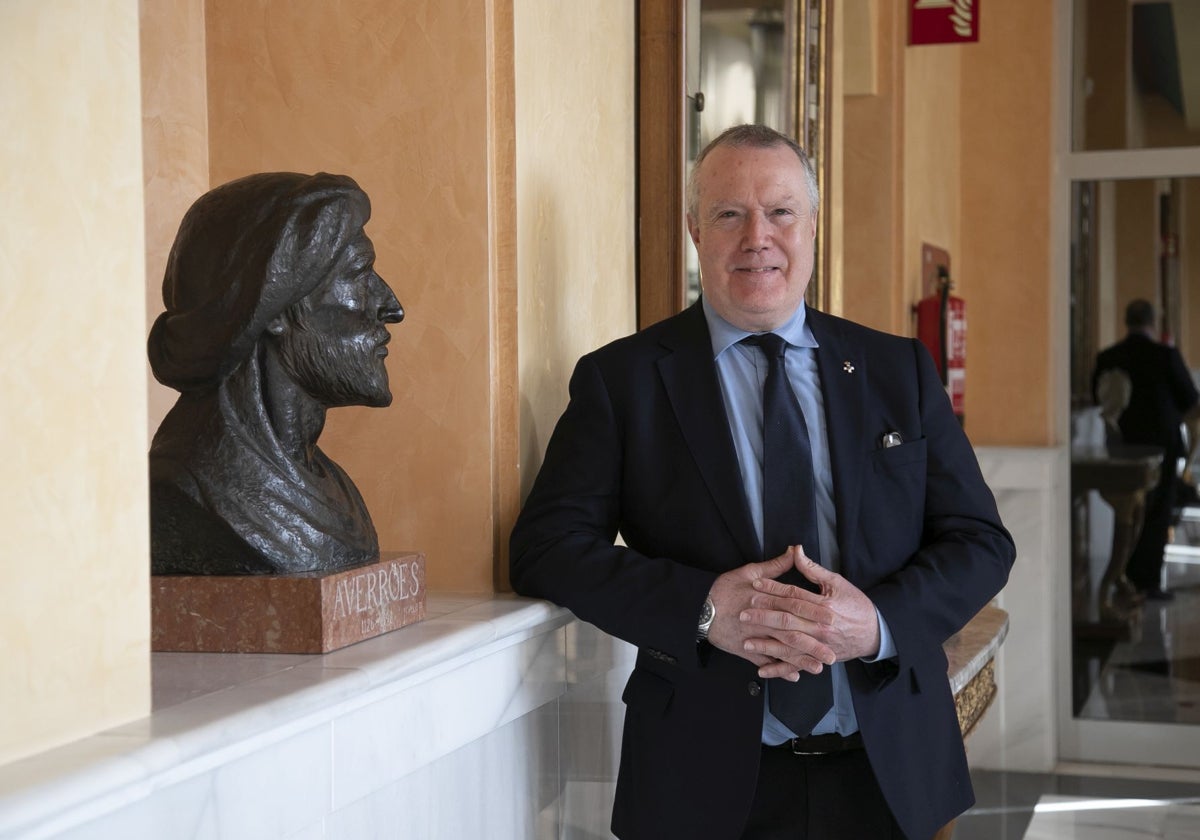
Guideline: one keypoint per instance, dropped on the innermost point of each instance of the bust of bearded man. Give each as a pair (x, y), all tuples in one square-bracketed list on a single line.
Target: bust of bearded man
[(274, 314)]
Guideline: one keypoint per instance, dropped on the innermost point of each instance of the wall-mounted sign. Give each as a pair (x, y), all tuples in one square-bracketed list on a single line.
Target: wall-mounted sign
[(943, 21)]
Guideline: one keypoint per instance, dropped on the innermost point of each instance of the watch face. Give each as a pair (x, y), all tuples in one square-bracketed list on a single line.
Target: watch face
[(706, 612)]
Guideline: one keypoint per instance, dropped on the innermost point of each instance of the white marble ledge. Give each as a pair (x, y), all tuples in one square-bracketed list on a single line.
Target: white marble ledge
[(973, 647), (210, 708)]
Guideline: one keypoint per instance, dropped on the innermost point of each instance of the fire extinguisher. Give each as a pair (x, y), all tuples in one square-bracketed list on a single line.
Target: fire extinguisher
[(942, 328)]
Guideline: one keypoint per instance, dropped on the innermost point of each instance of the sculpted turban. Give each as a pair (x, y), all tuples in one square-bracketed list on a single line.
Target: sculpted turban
[(246, 252)]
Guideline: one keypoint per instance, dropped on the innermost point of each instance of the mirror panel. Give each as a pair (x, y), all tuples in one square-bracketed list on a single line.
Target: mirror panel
[(1130, 238), (1135, 74), (759, 61)]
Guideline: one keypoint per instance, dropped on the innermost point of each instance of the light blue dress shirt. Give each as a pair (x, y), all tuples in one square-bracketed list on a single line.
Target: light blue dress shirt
[(742, 369)]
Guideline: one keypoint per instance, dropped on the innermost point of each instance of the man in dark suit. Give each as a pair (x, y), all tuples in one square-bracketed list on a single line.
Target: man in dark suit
[(1162, 398), (663, 443)]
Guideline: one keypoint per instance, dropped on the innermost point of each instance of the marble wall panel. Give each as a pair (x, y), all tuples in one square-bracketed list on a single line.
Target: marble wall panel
[(274, 791), (394, 735), (591, 709), (1020, 731), (591, 719), (499, 786)]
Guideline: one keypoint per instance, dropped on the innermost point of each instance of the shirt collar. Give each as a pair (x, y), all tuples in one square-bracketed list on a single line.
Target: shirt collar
[(795, 331)]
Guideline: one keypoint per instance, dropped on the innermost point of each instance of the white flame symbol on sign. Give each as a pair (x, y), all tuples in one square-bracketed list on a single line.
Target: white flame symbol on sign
[(960, 18)]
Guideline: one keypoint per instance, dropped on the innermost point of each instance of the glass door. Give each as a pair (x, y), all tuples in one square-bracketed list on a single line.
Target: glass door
[(1129, 198)]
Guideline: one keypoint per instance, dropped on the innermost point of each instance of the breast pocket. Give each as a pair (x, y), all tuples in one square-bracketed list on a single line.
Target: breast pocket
[(893, 500), (897, 457)]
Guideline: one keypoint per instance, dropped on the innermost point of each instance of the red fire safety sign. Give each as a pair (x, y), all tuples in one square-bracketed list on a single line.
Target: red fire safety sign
[(943, 21)]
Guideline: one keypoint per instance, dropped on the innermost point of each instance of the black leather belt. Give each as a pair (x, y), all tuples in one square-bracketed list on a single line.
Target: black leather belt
[(820, 744)]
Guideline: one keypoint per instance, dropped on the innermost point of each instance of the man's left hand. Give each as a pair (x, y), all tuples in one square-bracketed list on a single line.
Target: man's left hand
[(839, 616)]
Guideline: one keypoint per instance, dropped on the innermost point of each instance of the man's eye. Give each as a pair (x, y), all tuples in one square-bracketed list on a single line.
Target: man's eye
[(782, 211)]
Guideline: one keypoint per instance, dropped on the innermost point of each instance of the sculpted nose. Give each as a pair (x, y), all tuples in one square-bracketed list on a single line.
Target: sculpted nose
[(393, 314), (389, 310)]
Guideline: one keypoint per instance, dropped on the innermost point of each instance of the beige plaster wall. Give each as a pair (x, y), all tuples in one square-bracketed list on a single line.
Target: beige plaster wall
[(872, 176), (394, 95), (73, 566), (575, 113), (1005, 265), (931, 167), (175, 146), (953, 148)]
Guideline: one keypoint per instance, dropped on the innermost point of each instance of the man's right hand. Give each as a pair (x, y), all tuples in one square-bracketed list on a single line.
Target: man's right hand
[(731, 594)]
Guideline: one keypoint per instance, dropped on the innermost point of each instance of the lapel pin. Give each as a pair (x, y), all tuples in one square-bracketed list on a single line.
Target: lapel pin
[(892, 439), (846, 366)]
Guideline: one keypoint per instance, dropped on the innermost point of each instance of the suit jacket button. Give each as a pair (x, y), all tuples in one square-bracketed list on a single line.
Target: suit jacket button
[(754, 688)]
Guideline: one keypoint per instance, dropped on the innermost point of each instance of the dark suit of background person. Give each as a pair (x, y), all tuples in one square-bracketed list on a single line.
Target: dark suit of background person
[(1163, 396), (644, 449)]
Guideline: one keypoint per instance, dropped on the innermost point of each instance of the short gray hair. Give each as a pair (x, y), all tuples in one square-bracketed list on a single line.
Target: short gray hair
[(756, 136)]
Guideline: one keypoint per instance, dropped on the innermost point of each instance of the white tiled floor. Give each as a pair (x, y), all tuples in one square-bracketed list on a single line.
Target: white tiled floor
[(1086, 818), (1083, 802)]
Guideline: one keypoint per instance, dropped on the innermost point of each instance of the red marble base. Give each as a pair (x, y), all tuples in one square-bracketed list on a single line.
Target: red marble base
[(312, 613)]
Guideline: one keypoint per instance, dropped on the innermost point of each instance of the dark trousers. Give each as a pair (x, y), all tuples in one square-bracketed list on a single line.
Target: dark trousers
[(819, 797), (1144, 568)]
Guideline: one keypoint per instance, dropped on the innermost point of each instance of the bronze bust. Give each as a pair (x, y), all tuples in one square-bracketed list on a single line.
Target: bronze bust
[(274, 314)]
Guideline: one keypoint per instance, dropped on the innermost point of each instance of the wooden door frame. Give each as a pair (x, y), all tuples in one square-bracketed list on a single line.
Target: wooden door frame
[(661, 137)]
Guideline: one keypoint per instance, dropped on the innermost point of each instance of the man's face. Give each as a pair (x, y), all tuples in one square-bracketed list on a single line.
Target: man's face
[(754, 231), (335, 350)]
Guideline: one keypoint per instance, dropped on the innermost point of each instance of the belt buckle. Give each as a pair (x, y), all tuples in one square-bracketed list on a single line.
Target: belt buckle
[(796, 743)]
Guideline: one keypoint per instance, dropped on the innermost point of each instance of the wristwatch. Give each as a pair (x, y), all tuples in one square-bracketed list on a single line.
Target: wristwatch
[(707, 613)]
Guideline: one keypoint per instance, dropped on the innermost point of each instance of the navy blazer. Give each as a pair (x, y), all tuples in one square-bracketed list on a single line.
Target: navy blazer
[(644, 450)]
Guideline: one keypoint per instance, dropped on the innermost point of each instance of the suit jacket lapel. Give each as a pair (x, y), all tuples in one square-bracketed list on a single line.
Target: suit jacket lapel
[(842, 369), (689, 376)]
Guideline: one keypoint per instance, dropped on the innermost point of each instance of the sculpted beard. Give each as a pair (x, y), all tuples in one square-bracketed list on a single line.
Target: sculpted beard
[(344, 371)]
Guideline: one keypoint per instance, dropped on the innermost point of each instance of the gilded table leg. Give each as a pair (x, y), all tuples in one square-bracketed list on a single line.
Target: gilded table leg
[(1117, 596)]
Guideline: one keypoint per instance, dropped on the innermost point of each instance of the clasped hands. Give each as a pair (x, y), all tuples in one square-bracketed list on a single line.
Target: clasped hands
[(785, 629)]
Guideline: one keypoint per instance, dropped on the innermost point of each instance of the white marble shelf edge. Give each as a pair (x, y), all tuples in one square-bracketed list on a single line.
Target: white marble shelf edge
[(210, 709), (983, 635)]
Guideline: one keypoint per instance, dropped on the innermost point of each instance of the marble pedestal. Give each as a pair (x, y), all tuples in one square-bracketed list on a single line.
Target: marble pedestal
[(306, 613)]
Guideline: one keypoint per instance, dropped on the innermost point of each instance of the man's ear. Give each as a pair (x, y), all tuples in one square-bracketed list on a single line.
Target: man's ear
[(693, 230), (278, 325)]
